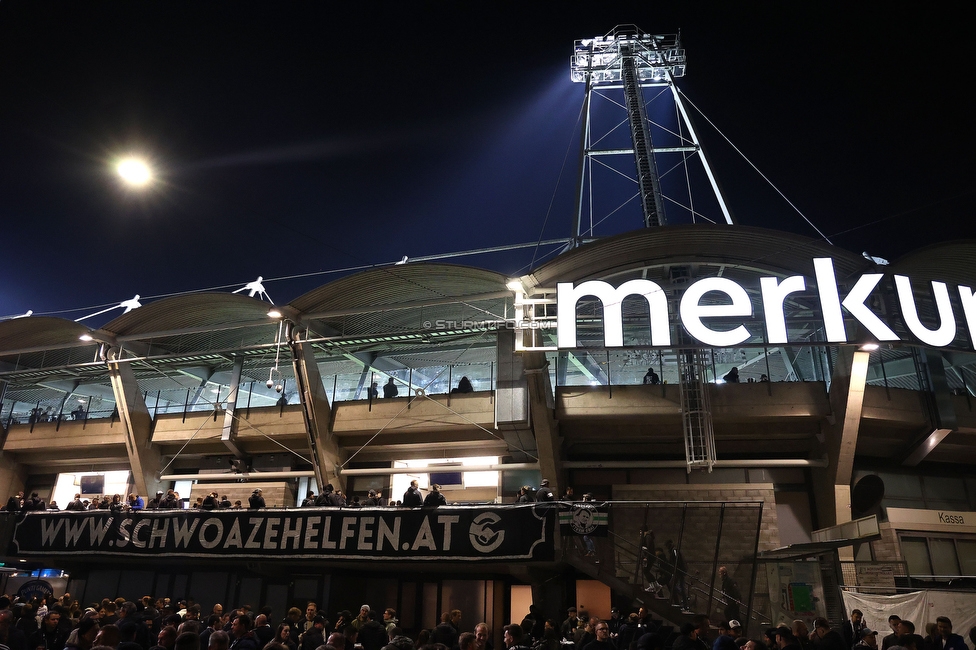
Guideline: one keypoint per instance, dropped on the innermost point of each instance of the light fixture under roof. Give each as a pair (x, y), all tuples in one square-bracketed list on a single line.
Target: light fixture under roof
[(86, 337), (274, 313)]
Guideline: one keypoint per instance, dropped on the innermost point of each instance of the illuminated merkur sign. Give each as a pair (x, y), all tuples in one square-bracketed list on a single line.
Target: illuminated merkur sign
[(694, 315)]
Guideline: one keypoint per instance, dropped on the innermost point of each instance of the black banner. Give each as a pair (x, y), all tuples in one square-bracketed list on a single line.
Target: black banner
[(451, 533)]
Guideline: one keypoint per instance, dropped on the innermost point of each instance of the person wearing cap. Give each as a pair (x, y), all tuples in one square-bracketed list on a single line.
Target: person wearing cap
[(785, 639), (544, 493), (255, 501), (726, 637), (361, 619), (869, 639), (372, 633), (614, 621), (156, 501), (435, 498), (569, 625), (526, 494), (825, 638), (735, 628)]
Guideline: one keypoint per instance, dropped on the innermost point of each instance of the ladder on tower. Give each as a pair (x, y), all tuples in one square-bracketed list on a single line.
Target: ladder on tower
[(696, 414), (647, 178)]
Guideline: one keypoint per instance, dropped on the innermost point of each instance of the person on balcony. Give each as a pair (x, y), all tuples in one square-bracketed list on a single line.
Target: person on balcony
[(412, 497), (435, 498)]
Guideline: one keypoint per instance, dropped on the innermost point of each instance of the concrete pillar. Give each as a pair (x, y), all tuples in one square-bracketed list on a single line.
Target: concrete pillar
[(833, 483), (544, 424), (13, 477), (228, 434), (327, 458), (144, 459)]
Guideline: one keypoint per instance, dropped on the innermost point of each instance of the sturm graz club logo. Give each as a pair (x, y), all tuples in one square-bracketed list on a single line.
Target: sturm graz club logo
[(484, 538), (583, 521)]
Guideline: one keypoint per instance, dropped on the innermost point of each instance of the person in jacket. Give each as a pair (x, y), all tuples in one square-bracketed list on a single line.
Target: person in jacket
[(435, 498)]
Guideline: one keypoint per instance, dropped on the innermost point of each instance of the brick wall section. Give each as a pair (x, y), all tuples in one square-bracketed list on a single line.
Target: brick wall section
[(887, 548), (701, 524), (276, 494)]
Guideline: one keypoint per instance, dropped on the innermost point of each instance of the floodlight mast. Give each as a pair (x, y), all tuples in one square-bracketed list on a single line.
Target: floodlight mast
[(629, 59)]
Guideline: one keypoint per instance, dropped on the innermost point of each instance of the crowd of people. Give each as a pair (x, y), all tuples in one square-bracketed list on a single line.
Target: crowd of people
[(328, 497), (855, 635), (164, 624)]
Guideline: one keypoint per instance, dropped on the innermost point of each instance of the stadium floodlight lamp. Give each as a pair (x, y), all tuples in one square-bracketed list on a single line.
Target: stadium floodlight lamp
[(134, 172), (656, 57)]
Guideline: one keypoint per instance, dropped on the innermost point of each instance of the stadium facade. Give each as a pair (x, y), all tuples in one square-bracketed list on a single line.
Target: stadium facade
[(756, 398)]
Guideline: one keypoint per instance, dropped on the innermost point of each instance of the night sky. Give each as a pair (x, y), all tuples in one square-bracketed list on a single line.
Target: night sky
[(293, 138)]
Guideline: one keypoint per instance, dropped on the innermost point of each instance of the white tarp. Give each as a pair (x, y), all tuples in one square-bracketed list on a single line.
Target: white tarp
[(919, 607)]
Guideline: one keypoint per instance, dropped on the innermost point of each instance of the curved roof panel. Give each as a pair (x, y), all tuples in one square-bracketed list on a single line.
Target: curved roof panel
[(409, 299), (951, 262), (39, 332), (195, 310), (400, 284), (753, 248)]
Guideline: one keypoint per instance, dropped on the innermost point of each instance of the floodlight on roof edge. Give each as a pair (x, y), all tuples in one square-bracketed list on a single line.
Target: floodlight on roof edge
[(27, 314), (255, 288), (127, 305)]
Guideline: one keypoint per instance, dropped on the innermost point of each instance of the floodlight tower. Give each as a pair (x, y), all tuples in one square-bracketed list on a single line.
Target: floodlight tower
[(630, 60)]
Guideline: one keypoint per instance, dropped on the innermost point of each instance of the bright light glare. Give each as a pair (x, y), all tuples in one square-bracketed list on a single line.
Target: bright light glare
[(134, 172)]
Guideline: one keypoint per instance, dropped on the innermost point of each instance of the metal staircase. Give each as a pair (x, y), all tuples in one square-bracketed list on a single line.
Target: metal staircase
[(709, 534)]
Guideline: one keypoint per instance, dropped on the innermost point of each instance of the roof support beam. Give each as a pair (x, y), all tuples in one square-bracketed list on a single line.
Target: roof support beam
[(144, 459), (542, 407), (326, 455), (833, 484), (228, 434), (941, 411)]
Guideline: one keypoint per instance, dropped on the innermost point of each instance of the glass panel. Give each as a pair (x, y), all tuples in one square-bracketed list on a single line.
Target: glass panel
[(967, 556), (276, 597), (916, 554), (901, 485), (943, 488), (208, 588), (943, 552)]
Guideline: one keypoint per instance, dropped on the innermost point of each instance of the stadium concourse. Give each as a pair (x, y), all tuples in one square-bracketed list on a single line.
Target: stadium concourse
[(722, 395)]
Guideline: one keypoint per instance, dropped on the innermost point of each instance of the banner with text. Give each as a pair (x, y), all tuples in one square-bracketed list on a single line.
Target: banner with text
[(454, 533)]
